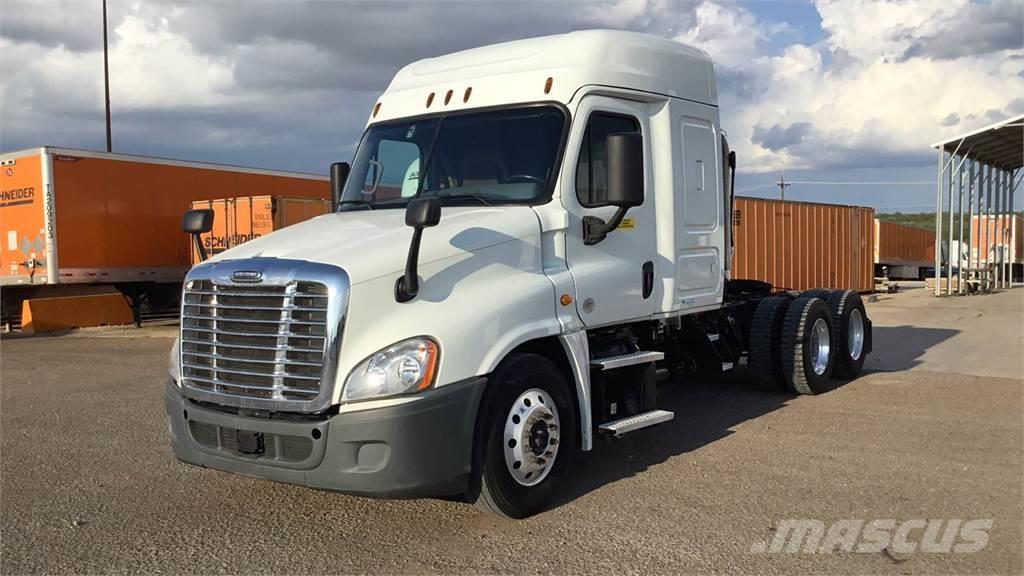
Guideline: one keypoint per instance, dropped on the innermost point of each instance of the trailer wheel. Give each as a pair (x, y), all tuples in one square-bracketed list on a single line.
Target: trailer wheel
[(807, 351), (765, 338), (816, 293), (851, 332), (527, 437)]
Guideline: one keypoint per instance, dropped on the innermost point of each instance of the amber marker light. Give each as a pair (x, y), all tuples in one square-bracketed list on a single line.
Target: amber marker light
[(430, 363), (565, 300), (465, 95), (430, 99), (447, 97), (547, 85), (376, 108)]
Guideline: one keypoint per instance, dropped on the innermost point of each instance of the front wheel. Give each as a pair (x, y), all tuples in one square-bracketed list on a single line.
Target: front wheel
[(527, 437)]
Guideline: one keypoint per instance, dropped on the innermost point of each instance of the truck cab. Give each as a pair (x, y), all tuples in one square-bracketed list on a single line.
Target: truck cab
[(527, 233)]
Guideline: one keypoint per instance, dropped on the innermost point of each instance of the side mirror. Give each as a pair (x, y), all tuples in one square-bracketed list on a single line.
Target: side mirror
[(195, 223), (625, 169), (421, 213), (339, 174), (625, 183)]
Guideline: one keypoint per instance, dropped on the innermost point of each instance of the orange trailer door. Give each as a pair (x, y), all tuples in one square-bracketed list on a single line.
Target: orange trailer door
[(23, 254)]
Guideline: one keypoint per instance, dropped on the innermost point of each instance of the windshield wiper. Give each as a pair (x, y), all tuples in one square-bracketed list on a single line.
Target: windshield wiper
[(476, 197), (366, 203)]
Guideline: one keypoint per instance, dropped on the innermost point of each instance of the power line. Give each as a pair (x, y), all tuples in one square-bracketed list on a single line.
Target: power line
[(755, 188), (864, 183), (837, 183)]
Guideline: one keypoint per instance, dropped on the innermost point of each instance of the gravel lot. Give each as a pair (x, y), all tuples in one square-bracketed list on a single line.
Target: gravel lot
[(932, 431)]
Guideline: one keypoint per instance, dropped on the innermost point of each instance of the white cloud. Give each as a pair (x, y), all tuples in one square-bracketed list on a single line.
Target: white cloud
[(272, 83), (862, 97), (732, 36), (157, 68), (870, 30)]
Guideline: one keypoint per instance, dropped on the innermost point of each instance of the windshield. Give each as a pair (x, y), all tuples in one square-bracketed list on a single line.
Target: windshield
[(494, 157)]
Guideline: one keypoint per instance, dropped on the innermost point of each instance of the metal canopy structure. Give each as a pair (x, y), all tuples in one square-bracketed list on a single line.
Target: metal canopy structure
[(978, 174)]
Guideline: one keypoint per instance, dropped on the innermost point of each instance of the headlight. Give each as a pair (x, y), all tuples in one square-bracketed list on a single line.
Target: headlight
[(408, 366), (172, 365)]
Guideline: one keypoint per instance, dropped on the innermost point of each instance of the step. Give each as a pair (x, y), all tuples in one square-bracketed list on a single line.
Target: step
[(631, 423), (713, 337), (726, 366), (623, 360)]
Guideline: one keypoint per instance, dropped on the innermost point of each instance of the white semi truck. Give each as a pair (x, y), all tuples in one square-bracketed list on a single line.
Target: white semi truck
[(528, 233)]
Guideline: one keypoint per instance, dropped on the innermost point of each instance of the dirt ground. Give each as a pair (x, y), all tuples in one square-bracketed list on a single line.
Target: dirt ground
[(932, 431)]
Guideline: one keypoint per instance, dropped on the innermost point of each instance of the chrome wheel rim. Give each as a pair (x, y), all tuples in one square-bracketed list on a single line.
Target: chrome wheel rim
[(820, 346), (855, 334), (531, 437)]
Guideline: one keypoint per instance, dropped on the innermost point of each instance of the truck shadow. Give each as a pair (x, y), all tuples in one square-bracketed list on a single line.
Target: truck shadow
[(708, 406), (899, 348)]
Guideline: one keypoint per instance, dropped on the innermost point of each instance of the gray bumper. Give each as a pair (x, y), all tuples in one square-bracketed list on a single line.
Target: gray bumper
[(422, 448)]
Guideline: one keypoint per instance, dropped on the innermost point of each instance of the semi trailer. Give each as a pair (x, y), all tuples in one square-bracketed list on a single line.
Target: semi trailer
[(903, 252), (240, 219), (528, 234), (78, 221)]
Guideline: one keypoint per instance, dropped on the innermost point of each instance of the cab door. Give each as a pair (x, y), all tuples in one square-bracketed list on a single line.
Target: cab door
[(614, 278)]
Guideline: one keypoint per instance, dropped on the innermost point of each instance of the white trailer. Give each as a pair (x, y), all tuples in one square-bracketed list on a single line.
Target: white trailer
[(527, 234)]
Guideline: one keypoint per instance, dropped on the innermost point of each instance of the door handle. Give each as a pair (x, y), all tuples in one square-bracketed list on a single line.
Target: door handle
[(648, 279)]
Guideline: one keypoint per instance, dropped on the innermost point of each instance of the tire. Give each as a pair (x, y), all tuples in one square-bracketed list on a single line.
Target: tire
[(524, 386), (851, 337), (765, 332), (806, 331), (816, 293)]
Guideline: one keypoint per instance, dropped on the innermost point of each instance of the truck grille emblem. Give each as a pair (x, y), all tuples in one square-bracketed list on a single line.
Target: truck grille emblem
[(247, 276)]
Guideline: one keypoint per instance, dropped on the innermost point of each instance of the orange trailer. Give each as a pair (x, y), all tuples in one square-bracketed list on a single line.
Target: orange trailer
[(904, 251), (238, 220), (997, 239), (803, 245), (78, 217)]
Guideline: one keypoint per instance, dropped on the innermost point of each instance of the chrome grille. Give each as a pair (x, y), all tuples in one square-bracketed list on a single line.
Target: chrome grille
[(254, 341)]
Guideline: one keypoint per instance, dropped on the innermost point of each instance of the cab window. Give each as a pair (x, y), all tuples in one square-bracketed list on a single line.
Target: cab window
[(394, 172)]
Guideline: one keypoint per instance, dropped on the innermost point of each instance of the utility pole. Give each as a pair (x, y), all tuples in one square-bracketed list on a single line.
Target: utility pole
[(783, 185), (782, 204), (106, 75)]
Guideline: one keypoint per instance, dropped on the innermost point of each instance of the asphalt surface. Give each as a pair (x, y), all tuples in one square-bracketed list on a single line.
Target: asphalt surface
[(932, 431)]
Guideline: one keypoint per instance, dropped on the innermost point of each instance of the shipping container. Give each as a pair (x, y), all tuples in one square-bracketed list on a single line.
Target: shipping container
[(899, 244), (78, 217), (238, 220), (802, 245), (903, 251), (1005, 247)]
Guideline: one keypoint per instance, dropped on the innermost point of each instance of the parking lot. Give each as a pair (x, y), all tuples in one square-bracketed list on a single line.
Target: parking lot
[(933, 430)]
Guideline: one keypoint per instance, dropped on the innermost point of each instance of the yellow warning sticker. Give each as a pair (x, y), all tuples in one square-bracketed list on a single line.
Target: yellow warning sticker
[(627, 224)]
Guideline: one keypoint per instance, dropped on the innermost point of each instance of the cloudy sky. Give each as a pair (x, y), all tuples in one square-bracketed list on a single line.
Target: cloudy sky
[(837, 91)]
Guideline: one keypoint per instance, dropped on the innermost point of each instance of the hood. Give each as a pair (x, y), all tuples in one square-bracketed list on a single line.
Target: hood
[(372, 243)]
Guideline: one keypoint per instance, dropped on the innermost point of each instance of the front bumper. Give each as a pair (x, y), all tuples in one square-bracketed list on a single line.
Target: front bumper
[(420, 448)]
